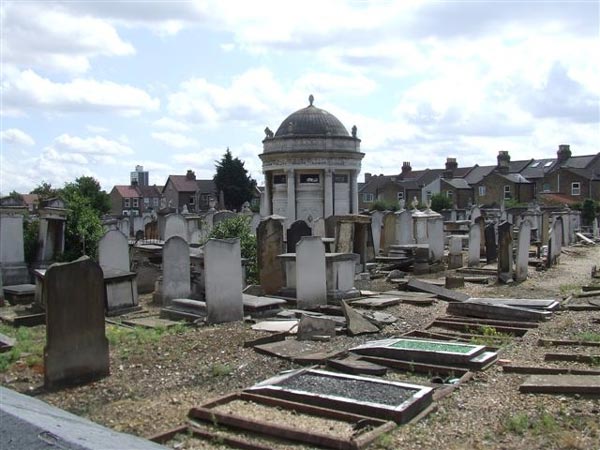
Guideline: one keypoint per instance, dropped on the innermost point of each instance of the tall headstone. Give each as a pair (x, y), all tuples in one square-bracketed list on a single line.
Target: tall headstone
[(475, 213), (175, 225), (254, 222), (220, 216), (318, 227), (505, 252), (455, 257), (474, 244), (435, 232), (404, 228), (269, 245), (311, 273), (113, 251), (555, 241), (344, 237), (491, 248), (523, 243), (389, 232), (595, 229), (51, 233), (295, 232), (76, 346), (376, 229), (12, 250), (176, 270), (545, 231), (223, 280)]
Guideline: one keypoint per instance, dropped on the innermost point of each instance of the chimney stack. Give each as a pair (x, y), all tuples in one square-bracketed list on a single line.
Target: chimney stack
[(368, 176), (451, 166), (563, 153), (406, 169), (503, 161), (190, 175)]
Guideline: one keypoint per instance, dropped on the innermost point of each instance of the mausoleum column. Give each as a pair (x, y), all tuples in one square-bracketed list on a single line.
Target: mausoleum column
[(353, 192), (328, 193), (291, 195), (267, 205)]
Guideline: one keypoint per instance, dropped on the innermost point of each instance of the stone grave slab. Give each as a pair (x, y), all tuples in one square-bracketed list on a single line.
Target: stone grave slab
[(315, 328), (277, 326), (184, 309), (121, 291), (20, 294), (356, 366), (150, 322), (561, 384), (356, 323), (361, 395), (176, 281), (270, 244), (421, 350), (22, 316), (6, 343), (379, 301), (76, 348), (263, 306), (441, 292), (529, 303), (380, 318), (302, 352), (311, 284), (501, 312)]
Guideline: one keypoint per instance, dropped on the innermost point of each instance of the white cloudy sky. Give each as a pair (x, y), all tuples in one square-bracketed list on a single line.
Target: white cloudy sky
[(96, 87)]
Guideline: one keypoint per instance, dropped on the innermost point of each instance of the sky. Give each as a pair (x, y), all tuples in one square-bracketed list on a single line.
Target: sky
[(97, 87)]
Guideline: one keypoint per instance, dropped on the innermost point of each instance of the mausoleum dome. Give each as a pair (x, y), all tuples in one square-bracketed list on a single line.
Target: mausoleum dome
[(311, 121)]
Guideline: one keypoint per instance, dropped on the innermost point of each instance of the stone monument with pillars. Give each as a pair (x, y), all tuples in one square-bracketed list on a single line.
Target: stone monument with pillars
[(311, 166)]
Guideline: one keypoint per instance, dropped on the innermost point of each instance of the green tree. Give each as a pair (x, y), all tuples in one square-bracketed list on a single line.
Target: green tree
[(440, 202), (384, 205), (86, 204), (589, 210), (239, 227), (233, 180), (15, 195), (45, 191)]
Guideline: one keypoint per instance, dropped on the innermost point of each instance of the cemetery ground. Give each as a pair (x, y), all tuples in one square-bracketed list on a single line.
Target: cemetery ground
[(157, 375)]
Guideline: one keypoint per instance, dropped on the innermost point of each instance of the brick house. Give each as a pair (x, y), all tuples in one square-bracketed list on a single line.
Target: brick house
[(180, 190), (134, 200)]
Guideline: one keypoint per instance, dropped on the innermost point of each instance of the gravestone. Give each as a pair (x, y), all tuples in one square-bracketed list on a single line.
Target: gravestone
[(223, 215), (76, 346), (523, 251), (295, 232), (435, 232), (318, 228), (223, 280), (124, 226), (455, 257), (176, 270), (595, 229), (545, 232), (505, 252), (311, 285), (475, 213), (113, 251), (389, 232), (269, 245), (376, 229), (555, 242), (491, 248), (12, 250), (404, 228), (254, 222), (175, 225), (344, 239), (420, 227), (474, 244)]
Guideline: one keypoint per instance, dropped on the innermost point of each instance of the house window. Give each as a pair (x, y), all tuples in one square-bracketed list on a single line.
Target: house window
[(135, 202), (126, 203), (155, 201), (368, 197), (576, 188), (192, 200), (341, 178), (146, 201), (401, 195), (428, 195), (546, 187), (309, 178), (507, 195), (279, 179), (450, 194), (481, 191)]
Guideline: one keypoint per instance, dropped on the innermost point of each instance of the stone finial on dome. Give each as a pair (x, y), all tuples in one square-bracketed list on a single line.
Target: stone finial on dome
[(311, 99)]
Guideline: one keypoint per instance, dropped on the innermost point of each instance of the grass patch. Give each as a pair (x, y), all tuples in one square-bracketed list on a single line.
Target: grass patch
[(29, 343), (220, 370), (569, 288), (140, 336), (517, 424), (490, 337), (588, 336)]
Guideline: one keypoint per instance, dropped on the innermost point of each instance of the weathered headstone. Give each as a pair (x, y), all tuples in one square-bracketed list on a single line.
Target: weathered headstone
[(545, 231), (505, 252), (404, 228), (12, 250), (223, 215), (113, 251), (76, 346), (435, 232), (295, 232), (555, 242), (269, 245), (455, 257), (522, 263), (254, 222), (311, 285), (595, 229), (223, 280), (491, 248), (475, 213), (376, 229), (310, 328), (318, 227), (176, 270), (175, 225), (389, 232), (474, 244)]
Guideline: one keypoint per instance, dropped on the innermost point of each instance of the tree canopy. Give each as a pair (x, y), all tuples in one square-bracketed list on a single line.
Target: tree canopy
[(233, 180), (45, 191)]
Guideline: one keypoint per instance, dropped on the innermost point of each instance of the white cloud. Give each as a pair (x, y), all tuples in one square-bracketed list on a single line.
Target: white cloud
[(171, 124), (327, 83), (29, 91), (17, 137), (96, 145), (43, 35), (174, 140)]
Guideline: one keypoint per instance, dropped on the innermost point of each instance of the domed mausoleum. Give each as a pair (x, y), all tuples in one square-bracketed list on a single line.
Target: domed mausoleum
[(311, 166)]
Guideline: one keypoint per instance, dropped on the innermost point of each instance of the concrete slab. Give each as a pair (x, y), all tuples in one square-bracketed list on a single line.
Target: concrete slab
[(441, 292), (503, 312), (355, 322), (302, 352), (150, 322), (277, 326), (561, 384), (28, 423)]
